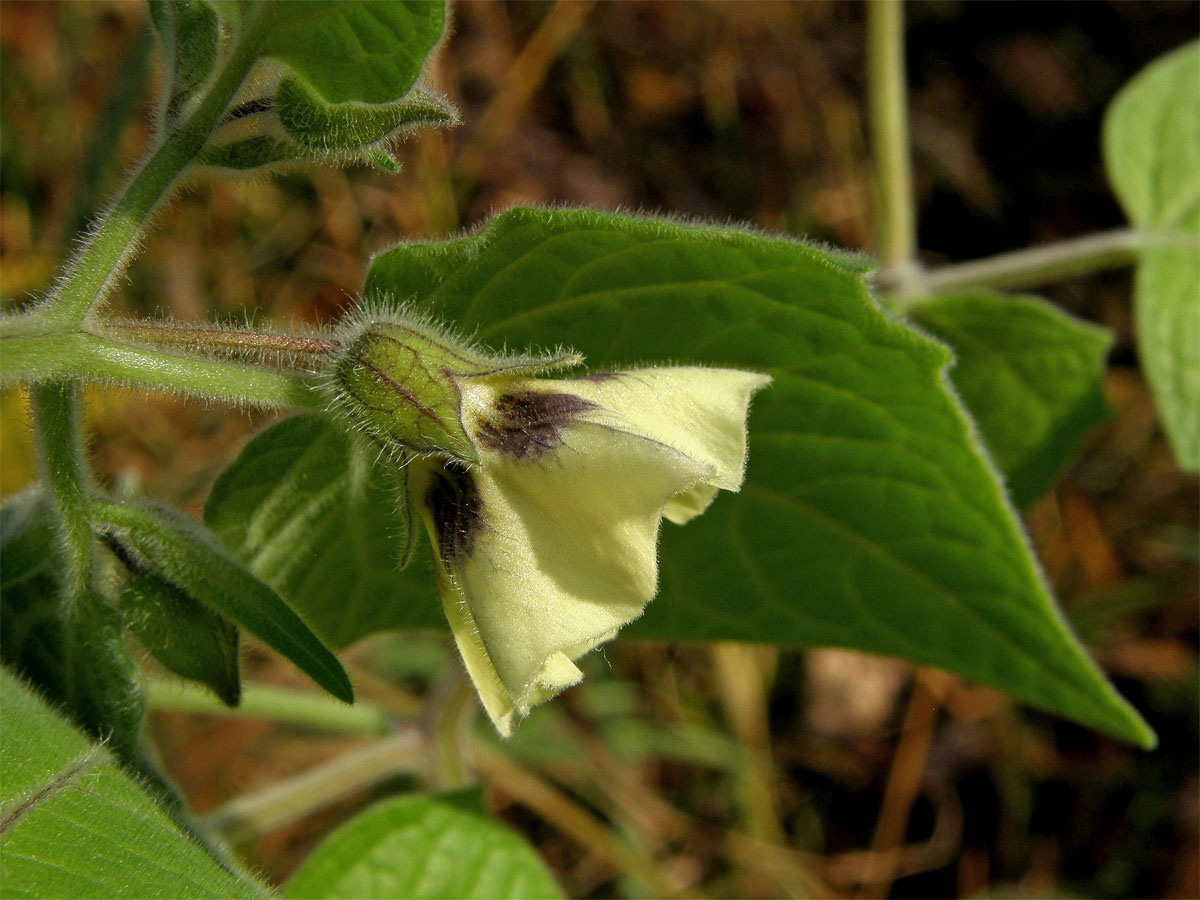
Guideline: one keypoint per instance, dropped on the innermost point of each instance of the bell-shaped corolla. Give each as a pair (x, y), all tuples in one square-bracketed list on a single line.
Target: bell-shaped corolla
[(545, 500)]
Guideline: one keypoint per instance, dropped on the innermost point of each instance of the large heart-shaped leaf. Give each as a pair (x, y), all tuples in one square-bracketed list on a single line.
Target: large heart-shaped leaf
[(870, 517), (1152, 152)]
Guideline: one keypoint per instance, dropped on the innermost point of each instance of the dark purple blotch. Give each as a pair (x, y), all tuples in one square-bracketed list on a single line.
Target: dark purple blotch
[(528, 423), (457, 510)]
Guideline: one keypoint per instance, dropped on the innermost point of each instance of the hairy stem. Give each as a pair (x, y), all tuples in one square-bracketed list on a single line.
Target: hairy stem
[(57, 432), (248, 816), (300, 708), (90, 275), (1033, 266), (231, 342), (895, 216), (83, 355)]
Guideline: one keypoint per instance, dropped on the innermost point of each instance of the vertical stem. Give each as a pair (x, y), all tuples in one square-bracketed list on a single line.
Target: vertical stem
[(99, 159), (887, 102), (904, 779), (57, 431), (451, 712), (114, 240)]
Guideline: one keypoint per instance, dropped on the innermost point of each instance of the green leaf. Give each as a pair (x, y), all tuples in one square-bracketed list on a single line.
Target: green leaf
[(367, 51), (1030, 375), (341, 80), (72, 824), (423, 847), (163, 542), (1152, 152), (869, 519), (317, 514), (184, 635)]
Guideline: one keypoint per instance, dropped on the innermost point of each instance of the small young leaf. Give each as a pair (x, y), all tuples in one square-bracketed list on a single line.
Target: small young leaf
[(869, 518), (364, 51), (321, 517), (184, 635), (74, 825), (163, 542), (342, 80), (1152, 152), (334, 128), (421, 847), (1030, 375)]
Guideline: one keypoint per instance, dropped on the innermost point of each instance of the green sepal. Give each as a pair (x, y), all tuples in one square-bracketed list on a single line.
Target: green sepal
[(400, 379), (174, 548), (184, 635)]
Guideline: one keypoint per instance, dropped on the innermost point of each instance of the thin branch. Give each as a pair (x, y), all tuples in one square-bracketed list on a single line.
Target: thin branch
[(1040, 265), (87, 356), (301, 708), (250, 815), (895, 219), (231, 342)]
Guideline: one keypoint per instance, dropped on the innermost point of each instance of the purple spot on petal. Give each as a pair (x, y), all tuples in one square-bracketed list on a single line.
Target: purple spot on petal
[(457, 511), (528, 423)]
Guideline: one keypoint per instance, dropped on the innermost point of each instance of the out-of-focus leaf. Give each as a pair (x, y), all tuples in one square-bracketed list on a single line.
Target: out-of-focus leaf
[(190, 35), (1152, 152), (30, 627), (72, 651), (422, 847), (183, 634)]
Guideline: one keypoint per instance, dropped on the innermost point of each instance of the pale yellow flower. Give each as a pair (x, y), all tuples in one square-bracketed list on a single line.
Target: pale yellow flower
[(544, 509)]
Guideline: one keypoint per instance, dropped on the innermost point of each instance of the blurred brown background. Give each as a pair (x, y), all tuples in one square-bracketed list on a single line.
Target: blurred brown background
[(711, 771)]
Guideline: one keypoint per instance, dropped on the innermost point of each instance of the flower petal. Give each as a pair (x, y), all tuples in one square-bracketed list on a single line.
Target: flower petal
[(697, 411), (544, 557)]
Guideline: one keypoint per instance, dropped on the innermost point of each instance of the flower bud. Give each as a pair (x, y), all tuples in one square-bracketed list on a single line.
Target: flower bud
[(401, 382)]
